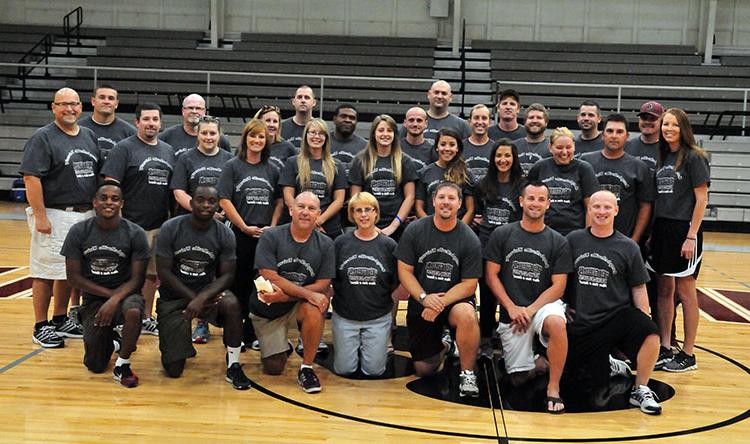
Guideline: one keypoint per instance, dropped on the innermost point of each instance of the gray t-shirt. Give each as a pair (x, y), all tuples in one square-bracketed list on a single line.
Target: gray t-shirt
[(451, 120), (604, 271), (498, 210), (381, 184), (106, 255), (629, 179), (68, 166), (440, 259), (280, 152), (477, 157), (183, 142), (647, 152), (496, 133), (291, 132), (675, 198), (568, 186), (251, 189), (429, 178), (108, 135), (588, 146), (365, 275), (299, 263), (196, 255), (318, 186), (344, 150), (531, 153), (194, 168), (144, 172), (527, 261), (422, 155)]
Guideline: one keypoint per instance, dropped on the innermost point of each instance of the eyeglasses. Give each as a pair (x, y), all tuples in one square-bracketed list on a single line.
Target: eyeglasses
[(67, 104), (208, 119), (364, 210), (268, 108), (316, 133)]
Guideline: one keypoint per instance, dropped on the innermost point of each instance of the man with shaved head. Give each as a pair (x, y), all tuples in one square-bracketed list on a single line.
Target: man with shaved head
[(299, 262), (439, 97), (60, 167), (304, 103), (184, 136), (610, 311), (414, 143)]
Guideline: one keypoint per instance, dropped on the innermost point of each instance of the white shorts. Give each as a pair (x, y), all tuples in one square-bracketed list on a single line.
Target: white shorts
[(45, 260), (518, 347)]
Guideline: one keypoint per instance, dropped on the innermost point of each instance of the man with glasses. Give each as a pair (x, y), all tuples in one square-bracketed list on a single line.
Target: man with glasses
[(184, 136), (60, 167), (103, 121), (304, 103)]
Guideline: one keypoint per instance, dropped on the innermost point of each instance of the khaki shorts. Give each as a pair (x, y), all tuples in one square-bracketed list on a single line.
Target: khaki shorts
[(45, 260), (272, 333), (151, 237)]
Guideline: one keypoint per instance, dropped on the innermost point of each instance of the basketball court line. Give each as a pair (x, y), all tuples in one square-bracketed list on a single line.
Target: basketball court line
[(21, 360), (726, 302)]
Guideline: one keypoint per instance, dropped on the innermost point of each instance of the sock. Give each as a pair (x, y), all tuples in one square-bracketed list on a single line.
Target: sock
[(467, 372), (116, 345), (39, 325), (120, 361), (305, 366), (59, 319), (233, 355)]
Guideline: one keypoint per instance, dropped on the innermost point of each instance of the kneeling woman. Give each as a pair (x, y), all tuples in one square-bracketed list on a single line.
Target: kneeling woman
[(365, 277)]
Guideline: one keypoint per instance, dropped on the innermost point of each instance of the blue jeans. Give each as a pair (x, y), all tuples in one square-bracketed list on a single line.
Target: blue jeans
[(360, 342)]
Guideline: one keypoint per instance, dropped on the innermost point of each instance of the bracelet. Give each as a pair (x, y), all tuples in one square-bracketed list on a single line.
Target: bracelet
[(691, 238), (399, 219)]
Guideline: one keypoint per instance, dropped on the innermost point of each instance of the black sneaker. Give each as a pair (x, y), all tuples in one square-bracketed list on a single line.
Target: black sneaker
[(308, 380), (47, 337), (682, 362), (665, 355), (125, 376), (237, 378), (69, 329)]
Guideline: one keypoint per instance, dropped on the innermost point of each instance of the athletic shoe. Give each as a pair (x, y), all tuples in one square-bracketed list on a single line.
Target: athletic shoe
[(485, 350), (308, 380), (201, 333), (125, 376), (255, 345), (617, 367), (237, 378), (468, 384), (682, 362), (149, 326), (47, 337), (322, 346), (117, 342), (665, 355), (118, 329), (73, 314), (643, 398), (447, 340), (69, 329)]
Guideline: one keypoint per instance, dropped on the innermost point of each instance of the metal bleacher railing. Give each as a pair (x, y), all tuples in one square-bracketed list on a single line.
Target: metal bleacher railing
[(208, 76)]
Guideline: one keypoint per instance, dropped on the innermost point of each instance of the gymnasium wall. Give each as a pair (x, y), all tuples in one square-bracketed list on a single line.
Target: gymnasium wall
[(612, 21)]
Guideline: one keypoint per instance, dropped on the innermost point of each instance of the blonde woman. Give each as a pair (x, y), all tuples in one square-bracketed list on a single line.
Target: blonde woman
[(385, 172), (571, 183), (313, 169)]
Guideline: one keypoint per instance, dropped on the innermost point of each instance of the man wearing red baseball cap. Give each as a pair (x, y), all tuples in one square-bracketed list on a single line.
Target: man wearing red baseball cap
[(646, 146)]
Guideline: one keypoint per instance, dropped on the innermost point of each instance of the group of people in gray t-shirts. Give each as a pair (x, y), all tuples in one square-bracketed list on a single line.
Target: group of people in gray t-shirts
[(565, 243)]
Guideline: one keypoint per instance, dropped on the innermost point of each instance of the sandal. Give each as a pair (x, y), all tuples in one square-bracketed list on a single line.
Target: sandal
[(554, 401)]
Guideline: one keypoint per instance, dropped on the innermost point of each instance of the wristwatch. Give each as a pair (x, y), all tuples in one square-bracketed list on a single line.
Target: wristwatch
[(422, 297)]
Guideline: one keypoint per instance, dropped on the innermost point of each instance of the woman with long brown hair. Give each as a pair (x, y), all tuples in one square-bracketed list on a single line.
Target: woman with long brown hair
[(682, 180)]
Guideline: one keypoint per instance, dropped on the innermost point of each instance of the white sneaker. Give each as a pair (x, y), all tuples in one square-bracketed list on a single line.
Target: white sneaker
[(617, 367), (645, 399), (468, 385)]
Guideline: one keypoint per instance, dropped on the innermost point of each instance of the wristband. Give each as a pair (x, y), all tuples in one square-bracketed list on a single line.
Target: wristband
[(399, 219), (691, 238)]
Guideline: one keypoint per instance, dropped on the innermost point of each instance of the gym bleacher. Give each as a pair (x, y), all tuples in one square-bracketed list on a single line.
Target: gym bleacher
[(264, 69)]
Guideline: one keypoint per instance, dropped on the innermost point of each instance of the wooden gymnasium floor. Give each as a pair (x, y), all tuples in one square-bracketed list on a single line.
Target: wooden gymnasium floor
[(48, 396)]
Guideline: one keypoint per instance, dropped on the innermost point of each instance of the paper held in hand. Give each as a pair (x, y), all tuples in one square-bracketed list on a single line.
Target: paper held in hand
[(263, 286)]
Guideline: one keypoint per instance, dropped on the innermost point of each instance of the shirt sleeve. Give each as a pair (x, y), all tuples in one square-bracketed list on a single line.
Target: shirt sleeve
[(356, 176), (471, 263), (71, 248), (116, 163), (180, 175), (328, 259), (288, 177), (589, 183), (165, 240), (37, 159), (265, 253), (141, 249), (563, 260), (225, 186), (699, 170), (339, 180), (228, 244)]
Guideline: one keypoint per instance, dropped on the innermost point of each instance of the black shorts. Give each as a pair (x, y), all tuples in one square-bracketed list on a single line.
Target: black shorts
[(97, 340), (175, 340), (424, 336), (588, 353), (667, 238)]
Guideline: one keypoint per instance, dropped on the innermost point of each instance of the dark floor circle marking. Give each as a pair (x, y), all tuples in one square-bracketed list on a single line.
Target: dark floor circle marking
[(735, 419)]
